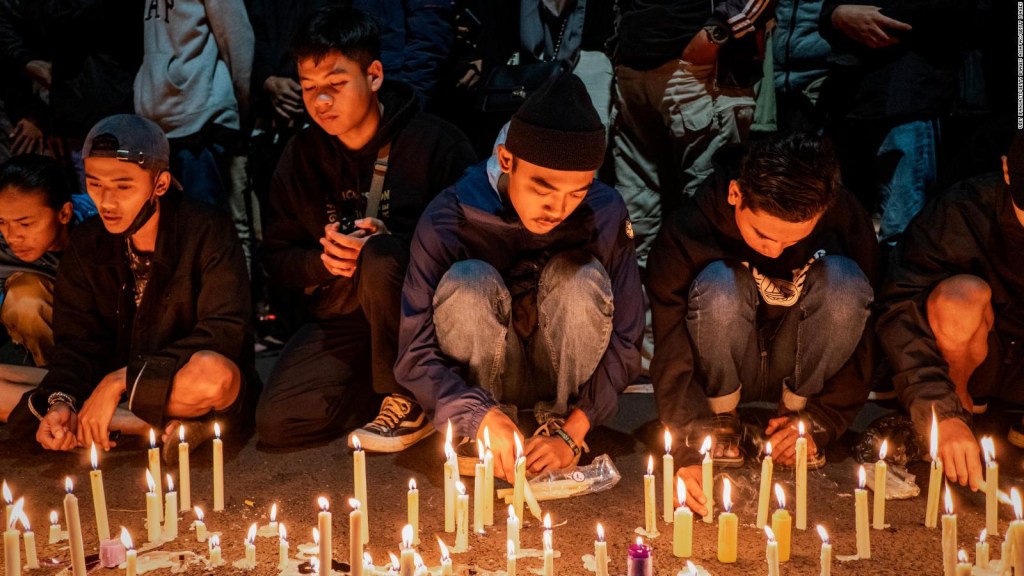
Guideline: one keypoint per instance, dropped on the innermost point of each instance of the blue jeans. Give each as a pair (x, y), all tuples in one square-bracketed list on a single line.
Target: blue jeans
[(741, 359), (907, 166), (473, 321), (202, 170)]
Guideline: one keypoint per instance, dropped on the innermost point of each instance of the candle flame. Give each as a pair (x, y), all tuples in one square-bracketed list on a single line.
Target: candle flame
[(150, 482), (126, 539), (650, 465), (800, 428), (316, 536), (948, 499), (691, 570), (512, 512), (933, 449), (822, 533), (780, 496), (53, 517), (510, 548), (68, 486), (367, 559), (181, 433), (727, 495), (989, 449), (448, 434), (984, 535), (639, 541), (273, 512), (600, 532), (23, 518), (706, 446), (519, 445), (962, 556), (407, 536), (1015, 498), (461, 488), (668, 442), (214, 541), (170, 483), (394, 561), (681, 492), (449, 452), (93, 457), (8, 498), (861, 478), (547, 521), (353, 503), (417, 560), (282, 534), (768, 449), (216, 430), (547, 540), (487, 438), (445, 556), (768, 532), (324, 504), (314, 565), (356, 444), (250, 538), (883, 450), (15, 513), (412, 484), (199, 513), (152, 438), (480, 450)]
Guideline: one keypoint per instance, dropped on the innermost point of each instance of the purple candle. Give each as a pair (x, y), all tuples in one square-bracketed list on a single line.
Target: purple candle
[(639, 562)]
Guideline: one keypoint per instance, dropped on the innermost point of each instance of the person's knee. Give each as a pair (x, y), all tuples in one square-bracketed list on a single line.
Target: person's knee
[(842, 288), (28, 298), (957, 307), (579, 279), (383, 258), (214, 380), (470, 284), (723, 291)]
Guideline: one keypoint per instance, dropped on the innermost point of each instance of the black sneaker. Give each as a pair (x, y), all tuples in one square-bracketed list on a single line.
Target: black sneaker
[(400, 424)]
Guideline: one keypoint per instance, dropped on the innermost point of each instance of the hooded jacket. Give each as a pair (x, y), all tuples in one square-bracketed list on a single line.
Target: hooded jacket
[(799, 52), (471, 220), (703, 231)]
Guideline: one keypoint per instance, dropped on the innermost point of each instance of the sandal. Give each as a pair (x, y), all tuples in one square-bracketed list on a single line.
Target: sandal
[(197, 432), (727, 432)]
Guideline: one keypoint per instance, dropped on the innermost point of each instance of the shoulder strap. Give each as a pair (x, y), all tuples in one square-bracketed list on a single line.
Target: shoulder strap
[(380, 170)]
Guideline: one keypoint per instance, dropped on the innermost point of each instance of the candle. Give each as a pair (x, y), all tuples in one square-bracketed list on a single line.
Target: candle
[(29, 537), (512, 527), (668, 472), (55, 535), (359, 475), (520, 481), (549, 549), (600, 553), (801, 479), (931, 511), (451, 473), (682, 526), (826, 552), (368, 567), (152, 510), (639, 560), (282, 546), (9, 500), (728, 526), (461, 519), (488, 479), (949, 537), (355, 536), (981, 550), (782, 525), (479, 474), (771, 553), (767, 467), (407, 564), (861, 503), (878, 517), (99, 499), (510, 569), (446, 559), (708, 479), (154, 469), (130, 556), (215, 554), (1014, 538), (170, 511), (218, 470), (200, 526), (963, 567), (323, 523), (650, 505), (413, 505), (74, 530), (991, 485), (250, 547), (12, 542), (184, 474)]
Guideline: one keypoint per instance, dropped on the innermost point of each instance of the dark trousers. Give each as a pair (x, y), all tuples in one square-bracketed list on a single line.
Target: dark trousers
[(321, 384)]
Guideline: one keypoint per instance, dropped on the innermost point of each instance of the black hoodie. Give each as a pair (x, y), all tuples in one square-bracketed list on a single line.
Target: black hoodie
[(704, 230), (427, 154)]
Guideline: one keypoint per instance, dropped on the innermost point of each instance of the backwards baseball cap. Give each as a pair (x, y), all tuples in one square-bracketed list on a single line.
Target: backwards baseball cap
[(129, 138), (1015, 167)]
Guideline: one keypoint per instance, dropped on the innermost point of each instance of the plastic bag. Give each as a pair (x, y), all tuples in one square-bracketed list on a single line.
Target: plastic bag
[(598, 476), (899, 483)]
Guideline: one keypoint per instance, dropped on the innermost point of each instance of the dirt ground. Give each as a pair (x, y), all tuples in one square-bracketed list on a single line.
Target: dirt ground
[(256, 479)]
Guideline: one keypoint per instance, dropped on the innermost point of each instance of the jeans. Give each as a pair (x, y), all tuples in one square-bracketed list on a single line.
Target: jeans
[(473, 321), (907, 166), (741, 359)]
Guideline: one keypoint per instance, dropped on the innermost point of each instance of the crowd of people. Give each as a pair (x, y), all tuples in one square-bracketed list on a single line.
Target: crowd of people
[(459, 211)]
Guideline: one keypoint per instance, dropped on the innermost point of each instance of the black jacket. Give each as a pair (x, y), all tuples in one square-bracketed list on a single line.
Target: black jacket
[(197, 298), (704, 230), (969, 229)]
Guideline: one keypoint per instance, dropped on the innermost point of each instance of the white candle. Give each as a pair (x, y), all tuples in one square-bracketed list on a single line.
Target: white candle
[(200, 526), (413, 504), (512, 527), (184, 473), (446, 559), (981, 553), (878, 518), (801, 479), (861, 503), (511, 560), (355, 536), (55, 535), (963, 567), (29, 537), (451, 474), (359, 475), (479, 474), (130, 555), (1013, 545), (826, 552), (668, 472), (771, 553), (218, 470), (12, 543), (519, 487), (991, 485), (600, 553), (282, 546), (250, 547), (74, 530), (461, 519), (407, 562), (549, 548), (323, 523), (931, 511), (170, 511), (949, 537), (154, 469), (708, 479), (152, 510), (767, 467), (488, 479), (99, 499), (650, 504), (682, 529), (216, 558)]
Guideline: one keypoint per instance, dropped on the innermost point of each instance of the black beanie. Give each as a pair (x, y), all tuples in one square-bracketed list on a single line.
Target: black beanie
[(557, 127)]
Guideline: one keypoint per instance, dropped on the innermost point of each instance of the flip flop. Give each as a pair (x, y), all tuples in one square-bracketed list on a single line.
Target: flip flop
[(727, 432)]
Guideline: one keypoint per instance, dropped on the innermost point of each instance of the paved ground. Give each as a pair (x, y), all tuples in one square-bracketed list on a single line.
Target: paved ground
[(256, 479)]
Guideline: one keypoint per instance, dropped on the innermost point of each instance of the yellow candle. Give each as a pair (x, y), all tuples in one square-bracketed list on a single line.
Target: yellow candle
[(55, 535), (668, 472), (861, 502), (512, 527), (451, 473), (963, 567), (479, 473), (782, 525), (74, 530), (200, 526), (170, 511), (446, 559), (826, 552), (218, 470), (511, 555), (12, 543), (650, 505), (801, 479), (981, 553), (488, 479), (682, 526), (991, 486), (708, 479), (282, 547), (323, 523), (931, 511), (152, 510), (413, 501), (600, 553), (728, 527), (771, 553), (767, 467), (184, 473), (407, 564), (250, 547), (949, 537), (215, 554), (154, 469), (878, 518), (461, 519), (549, 549), (99, 499), (355, 537), (359, 475), (130, 555), (519, 486)]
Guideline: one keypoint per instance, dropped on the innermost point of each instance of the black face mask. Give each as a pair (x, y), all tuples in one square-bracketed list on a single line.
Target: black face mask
[(145, 213)]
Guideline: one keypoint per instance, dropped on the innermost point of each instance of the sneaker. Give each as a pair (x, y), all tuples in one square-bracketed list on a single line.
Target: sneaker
[(400, 424)]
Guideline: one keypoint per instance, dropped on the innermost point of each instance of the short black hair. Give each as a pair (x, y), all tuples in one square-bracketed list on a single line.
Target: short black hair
[(793, 177), (36, 174), (352, 32)]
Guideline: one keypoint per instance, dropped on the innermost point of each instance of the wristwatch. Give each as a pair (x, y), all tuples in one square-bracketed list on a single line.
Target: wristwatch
[(717, 33)]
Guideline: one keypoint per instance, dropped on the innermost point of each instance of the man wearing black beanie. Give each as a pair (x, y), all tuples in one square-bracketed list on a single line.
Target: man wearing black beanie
[(527, 293)]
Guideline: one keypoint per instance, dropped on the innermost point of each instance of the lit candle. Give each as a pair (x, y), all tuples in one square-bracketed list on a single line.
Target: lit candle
[(250, 547), (368, 567), (154, 468), (549, 548), (479, 478), (510, 555), (31, 558), (170, 511), (130, 556), (512, 527), (9, 500), (359, 474), (99, 499), (691, 570), (682, 527), (650, 505), (881, 472), (152, 510), (74, 530), (420, 567), (801, 479), (708, 479), (519, 486), (1013, 544), (931, 511), (963, 567), (451, 473), (218, 470), (461, 518), (991, 485), (323, 523), (413, 504), (282, 546), (861, 502), (782, 525), (355, 536), (981, 550), (728, 527), (446, 559), (949, 537), (668, 472), (407, 563), (771, 552), (826, 552), (216, 559), (184, 473), (767, 467), (12, 542), (639, 560), (488, 479), (600, 553), (200, 526), (55, 535)]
